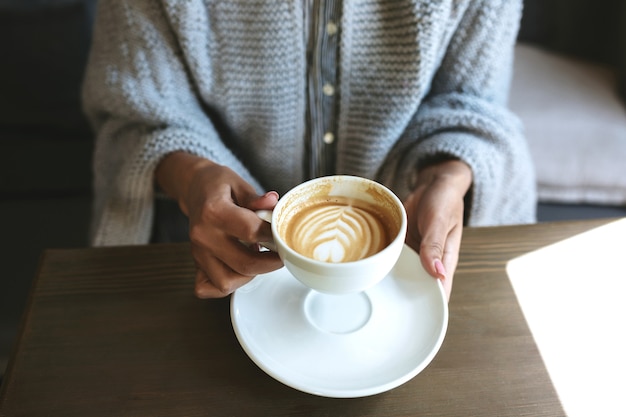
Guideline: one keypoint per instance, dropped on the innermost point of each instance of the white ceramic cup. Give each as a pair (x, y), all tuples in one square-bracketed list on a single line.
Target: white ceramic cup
[(341, 277)]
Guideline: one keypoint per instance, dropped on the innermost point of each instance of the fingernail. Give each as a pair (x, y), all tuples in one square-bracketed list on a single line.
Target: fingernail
[(441, 270)]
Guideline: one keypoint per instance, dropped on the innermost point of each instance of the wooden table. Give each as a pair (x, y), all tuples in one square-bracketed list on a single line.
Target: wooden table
[(117, 332)]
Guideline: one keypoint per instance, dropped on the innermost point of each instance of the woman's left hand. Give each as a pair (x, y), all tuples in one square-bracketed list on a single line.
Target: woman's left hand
[(435, 217)]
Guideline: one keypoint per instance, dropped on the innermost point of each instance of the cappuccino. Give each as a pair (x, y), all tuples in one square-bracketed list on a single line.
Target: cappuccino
[(338, 229)]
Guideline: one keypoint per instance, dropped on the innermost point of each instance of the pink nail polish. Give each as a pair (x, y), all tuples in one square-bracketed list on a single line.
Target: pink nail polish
[(441, 270)]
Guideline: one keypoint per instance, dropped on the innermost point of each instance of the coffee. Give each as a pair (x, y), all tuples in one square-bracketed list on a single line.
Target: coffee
[(338, 229)]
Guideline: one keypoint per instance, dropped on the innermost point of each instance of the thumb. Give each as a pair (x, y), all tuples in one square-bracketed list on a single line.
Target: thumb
[(266, 201), (431, 254)]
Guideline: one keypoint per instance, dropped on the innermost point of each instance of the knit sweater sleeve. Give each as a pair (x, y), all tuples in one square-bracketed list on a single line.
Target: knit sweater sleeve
[(139, 97), (464, 115)]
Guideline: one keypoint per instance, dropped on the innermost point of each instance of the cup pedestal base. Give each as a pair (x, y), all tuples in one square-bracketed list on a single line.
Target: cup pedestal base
[(338, 314)]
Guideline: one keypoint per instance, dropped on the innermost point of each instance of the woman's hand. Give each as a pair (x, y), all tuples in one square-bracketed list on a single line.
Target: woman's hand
[(221, 209), (435, 216)]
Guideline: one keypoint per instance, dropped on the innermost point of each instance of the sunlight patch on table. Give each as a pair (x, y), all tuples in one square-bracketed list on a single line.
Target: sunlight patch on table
[(573, 295)]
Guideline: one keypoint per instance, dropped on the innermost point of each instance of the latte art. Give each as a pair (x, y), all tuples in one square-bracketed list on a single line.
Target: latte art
[(337, 232)]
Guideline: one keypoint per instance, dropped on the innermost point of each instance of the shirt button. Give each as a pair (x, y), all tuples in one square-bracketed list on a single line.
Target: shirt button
[(329, 138), (328, 89), (331, 28)]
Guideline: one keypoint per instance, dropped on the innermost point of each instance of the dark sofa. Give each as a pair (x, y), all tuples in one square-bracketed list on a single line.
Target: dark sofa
[(569, 89), (45, 143)]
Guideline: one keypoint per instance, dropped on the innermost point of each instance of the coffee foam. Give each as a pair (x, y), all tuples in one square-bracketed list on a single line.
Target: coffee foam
[(337, 230)]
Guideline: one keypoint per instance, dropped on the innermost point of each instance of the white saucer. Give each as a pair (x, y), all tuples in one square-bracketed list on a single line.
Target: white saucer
[(343, 346)]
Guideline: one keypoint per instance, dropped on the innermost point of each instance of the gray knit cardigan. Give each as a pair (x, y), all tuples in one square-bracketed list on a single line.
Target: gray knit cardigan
[(226, 79)]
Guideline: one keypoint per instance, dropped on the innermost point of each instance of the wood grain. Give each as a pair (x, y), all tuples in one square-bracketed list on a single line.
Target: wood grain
[(118, 332)]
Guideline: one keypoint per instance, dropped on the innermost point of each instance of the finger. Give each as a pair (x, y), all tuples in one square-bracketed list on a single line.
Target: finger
[(451, 257), (431, 249), (234, 257), (451, 251), (263, 207), (413, 238), (206, 287), (231, 219), (265, 202), (447, 287), (219, 282)]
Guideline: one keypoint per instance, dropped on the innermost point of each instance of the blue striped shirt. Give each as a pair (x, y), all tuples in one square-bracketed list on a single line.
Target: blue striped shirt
[(322, 25)]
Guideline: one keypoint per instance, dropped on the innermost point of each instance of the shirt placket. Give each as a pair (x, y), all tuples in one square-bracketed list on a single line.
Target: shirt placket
[(322, 86)]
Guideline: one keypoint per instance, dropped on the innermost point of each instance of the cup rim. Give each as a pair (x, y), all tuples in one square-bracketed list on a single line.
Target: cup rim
[(401, 235)]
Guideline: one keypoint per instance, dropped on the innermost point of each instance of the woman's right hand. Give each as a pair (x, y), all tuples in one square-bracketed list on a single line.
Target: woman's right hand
[(221, 209)]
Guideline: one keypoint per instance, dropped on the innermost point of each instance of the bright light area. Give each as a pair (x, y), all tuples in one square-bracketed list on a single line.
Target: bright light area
[(573, 295)]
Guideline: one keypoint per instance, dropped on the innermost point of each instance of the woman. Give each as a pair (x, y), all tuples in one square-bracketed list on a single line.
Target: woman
[(216, 102)]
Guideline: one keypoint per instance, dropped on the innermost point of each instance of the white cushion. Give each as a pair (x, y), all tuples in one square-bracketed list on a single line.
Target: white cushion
[(575, 124)]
